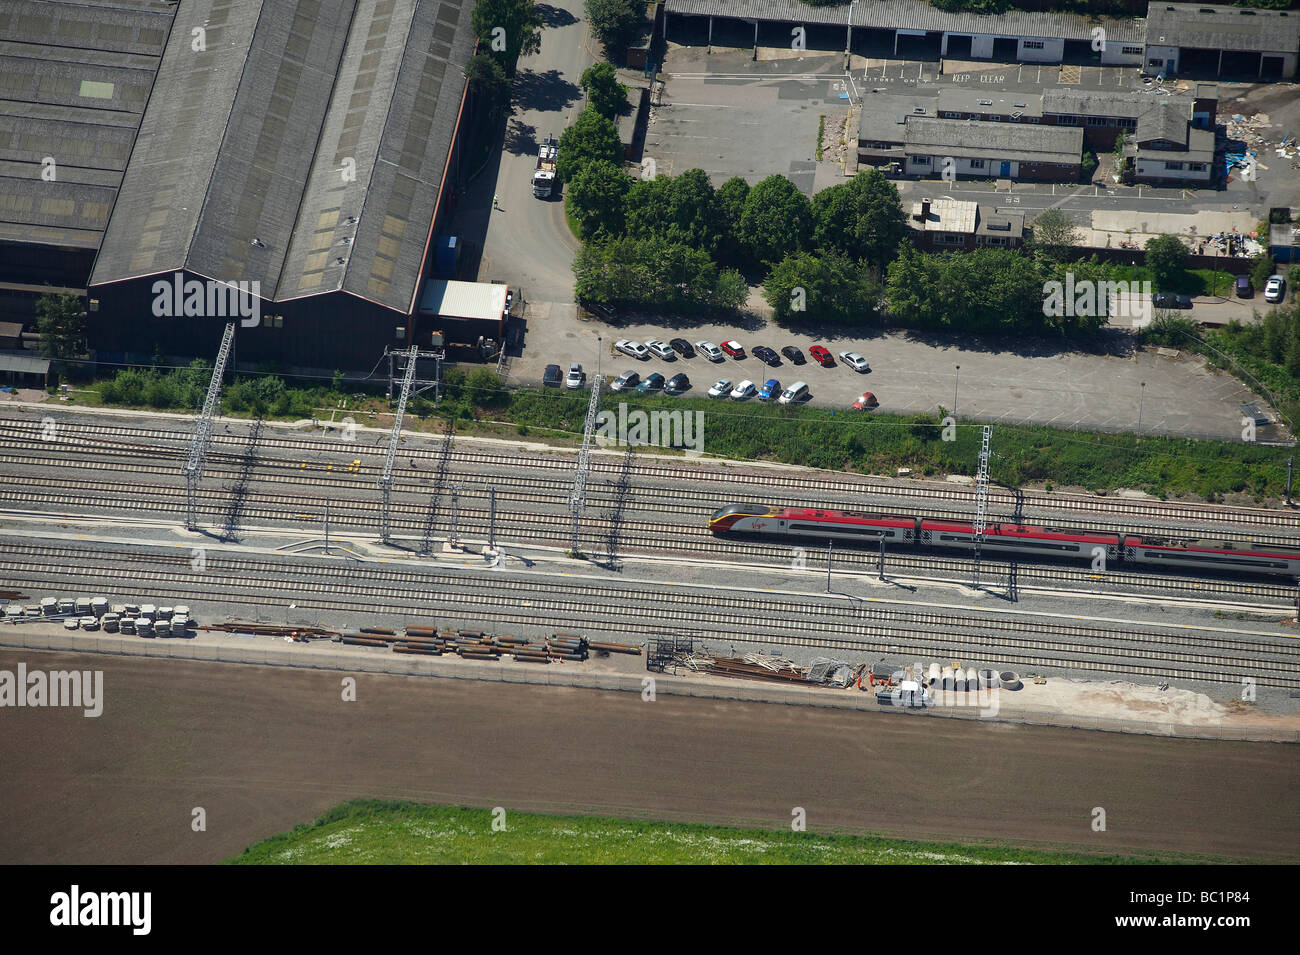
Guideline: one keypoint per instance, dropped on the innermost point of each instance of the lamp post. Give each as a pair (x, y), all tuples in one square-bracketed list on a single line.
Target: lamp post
[(599, 346), (848, 37), (956, 379), (1141, 399)]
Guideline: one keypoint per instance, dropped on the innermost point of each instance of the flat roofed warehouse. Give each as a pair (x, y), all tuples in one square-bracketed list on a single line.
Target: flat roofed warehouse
[(314, 168)]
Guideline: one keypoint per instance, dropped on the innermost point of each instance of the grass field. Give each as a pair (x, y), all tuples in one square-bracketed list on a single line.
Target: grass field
[(384, 833)]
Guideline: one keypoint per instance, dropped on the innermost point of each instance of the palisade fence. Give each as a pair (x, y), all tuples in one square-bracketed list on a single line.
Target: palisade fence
[(317, 657)]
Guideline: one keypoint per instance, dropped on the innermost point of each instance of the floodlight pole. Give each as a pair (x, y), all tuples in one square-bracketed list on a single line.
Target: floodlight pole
[(203, 429)]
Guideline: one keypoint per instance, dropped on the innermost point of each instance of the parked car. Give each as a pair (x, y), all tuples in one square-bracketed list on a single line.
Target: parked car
[(710, 351), (796, 392), (766, 355), (575, 378), (682, 347), (743, 391), (552, 376), (771, 388), (721, 388), (653, 382), (866, 401), (510, 300), (677, 384), (1275, 289), (822, 356), (854, 361), (1244, 288), (602, 311), (794, 354), (629, 347), (734, 349), (661, 349), (626, 381)]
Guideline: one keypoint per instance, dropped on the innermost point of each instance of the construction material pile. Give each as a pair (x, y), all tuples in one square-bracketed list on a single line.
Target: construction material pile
[(430, 640)]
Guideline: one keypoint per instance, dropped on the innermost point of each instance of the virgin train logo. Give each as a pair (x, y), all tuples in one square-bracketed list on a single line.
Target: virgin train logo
[(178, 298)]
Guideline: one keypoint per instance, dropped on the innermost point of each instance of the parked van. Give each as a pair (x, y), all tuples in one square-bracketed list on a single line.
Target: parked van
[(796, 392)]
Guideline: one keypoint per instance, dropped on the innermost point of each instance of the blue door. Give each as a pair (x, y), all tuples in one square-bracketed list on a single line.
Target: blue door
[(1006, 170)]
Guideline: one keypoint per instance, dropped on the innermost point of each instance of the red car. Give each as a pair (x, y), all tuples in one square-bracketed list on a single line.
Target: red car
[(824, 358), (734, 349), (866, 401)]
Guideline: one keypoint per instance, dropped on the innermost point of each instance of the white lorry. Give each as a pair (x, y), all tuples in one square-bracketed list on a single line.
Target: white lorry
[(544, 176)]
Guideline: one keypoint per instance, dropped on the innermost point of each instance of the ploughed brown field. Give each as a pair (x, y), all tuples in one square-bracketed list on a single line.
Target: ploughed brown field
[(263, 749)]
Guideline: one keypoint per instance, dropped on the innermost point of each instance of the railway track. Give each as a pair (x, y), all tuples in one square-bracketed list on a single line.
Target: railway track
[(646, 497), (617, 609), (1197, 515), (657, 538)]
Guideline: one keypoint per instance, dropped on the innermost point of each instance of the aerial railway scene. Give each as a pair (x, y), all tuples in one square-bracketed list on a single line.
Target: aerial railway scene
[(534, 392)]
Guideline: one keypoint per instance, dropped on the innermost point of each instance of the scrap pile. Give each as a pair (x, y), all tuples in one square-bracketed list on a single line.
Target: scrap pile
[(1253, 132), (296, 633)]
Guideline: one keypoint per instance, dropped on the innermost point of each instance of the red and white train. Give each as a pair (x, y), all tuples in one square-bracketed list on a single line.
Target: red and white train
[(1026, 540)]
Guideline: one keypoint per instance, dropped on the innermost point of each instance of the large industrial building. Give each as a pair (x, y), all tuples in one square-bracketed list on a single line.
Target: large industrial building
[(1185, 39), (304, 149)]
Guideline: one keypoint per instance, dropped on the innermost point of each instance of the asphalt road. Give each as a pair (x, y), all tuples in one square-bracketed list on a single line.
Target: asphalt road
[(528, 243), (262, 750)]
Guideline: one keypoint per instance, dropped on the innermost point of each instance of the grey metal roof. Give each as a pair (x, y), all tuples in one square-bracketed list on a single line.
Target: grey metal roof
[(1129, 104), (27, 364), (1167, 121), (251, 185), (1200, 26), (394, 111), (916, 15), (974, 139), (1198, 147), (990, 103), (74, 80)]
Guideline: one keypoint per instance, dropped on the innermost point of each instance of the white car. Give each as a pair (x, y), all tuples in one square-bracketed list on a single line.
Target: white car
[(744, 390), (796, 392), (575, 378), (660, 348), (629, 347), (1275, 289), (721, 388), (854, 361), (710, 351)]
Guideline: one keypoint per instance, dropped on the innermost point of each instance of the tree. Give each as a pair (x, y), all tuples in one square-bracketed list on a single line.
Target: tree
[(653, 272), (830, 288), (731, 206), (684, 210), (596, 198), (777, 220), (615, 22), (1262, 269), (488, 81), (862, 218), (987, 290), (508, 29), (61, 321), (1167, 258), (590, 139), (1054, 234), (604, 92)]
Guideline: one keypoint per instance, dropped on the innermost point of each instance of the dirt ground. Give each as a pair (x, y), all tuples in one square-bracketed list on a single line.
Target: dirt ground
[(263, 749)]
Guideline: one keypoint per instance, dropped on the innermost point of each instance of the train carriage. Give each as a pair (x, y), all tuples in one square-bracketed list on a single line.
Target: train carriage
[(1245, 558), (1025, 539)]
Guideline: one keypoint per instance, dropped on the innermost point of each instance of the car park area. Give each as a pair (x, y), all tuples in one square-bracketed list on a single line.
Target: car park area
[(1020, 382)]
